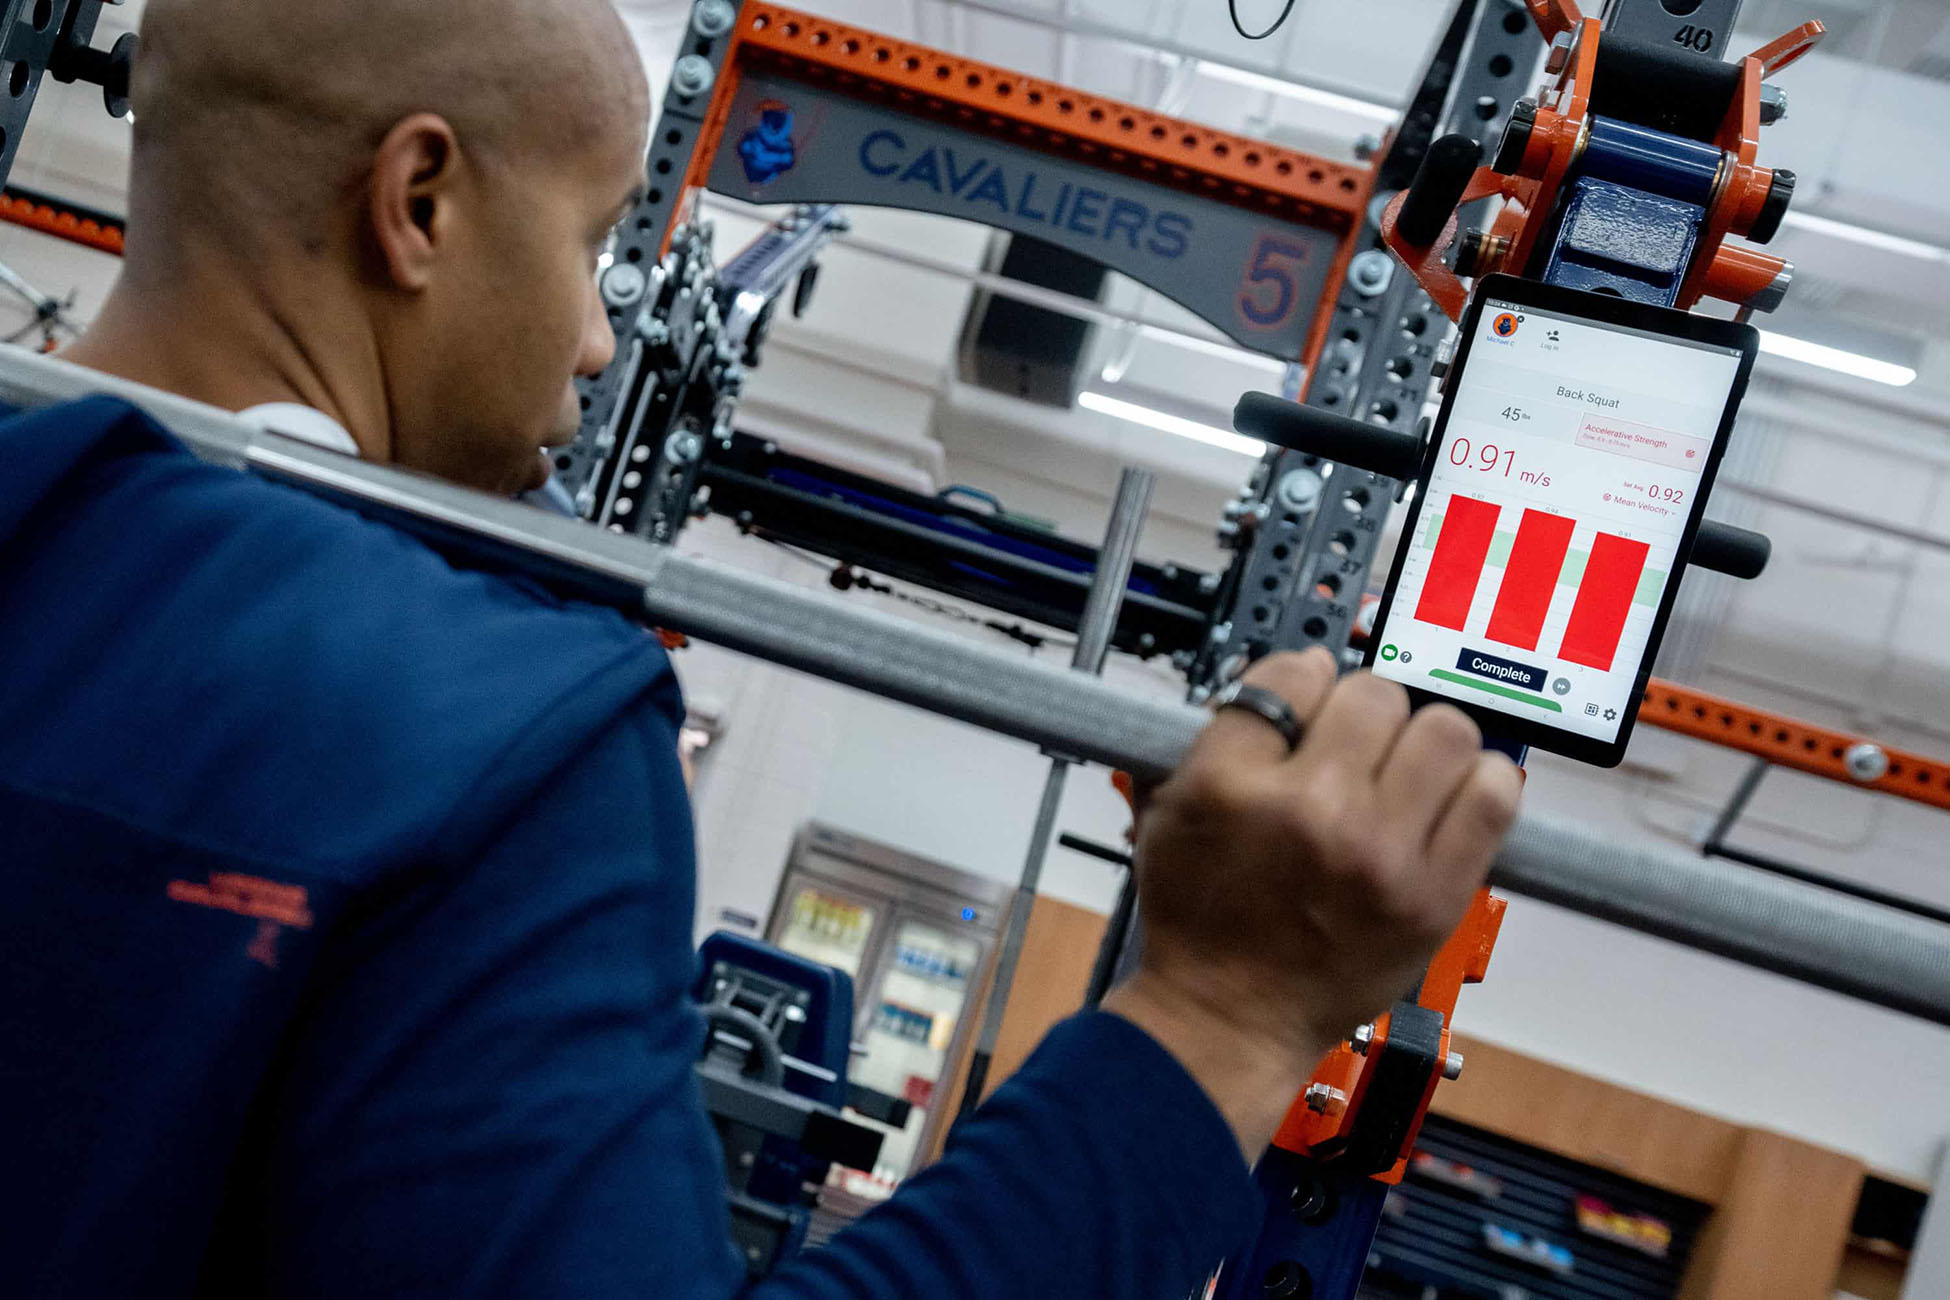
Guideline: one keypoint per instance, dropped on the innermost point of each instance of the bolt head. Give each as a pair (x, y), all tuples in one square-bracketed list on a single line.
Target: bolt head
[(624, 285), (1866, 762), (1361, 1040), (1320, 1098), (692, 75), (1773, 103), (1452, 1067), (712, 18), (1286, 1280), (1371, 272), (1300, 490), (684, 448)]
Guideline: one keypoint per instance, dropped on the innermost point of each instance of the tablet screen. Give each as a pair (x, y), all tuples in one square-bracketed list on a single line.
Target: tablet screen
[(1567, 477)]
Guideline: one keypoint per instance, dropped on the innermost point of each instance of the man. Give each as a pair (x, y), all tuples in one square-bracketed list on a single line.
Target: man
[(349, 892)]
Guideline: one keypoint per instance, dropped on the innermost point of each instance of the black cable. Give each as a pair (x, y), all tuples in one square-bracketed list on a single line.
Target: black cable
[(1232, 7)]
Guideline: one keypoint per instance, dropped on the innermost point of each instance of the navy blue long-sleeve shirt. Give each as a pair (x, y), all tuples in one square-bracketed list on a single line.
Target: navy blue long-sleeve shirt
[(345, 909)]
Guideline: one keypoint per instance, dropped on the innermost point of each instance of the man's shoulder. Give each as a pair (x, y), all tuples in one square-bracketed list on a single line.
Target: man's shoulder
[(185, 631)]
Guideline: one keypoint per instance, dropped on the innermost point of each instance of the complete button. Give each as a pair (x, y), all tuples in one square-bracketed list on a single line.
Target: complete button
[(1507, 671)]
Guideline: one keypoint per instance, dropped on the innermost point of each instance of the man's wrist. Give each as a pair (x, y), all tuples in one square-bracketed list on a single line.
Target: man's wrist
[(1252, 1075)]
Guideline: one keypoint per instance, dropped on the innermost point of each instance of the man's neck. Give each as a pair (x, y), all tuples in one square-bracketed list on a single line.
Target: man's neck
[(226, 343)]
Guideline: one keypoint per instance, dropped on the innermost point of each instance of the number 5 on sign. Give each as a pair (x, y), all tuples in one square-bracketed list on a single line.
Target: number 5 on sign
[(1270, 291)]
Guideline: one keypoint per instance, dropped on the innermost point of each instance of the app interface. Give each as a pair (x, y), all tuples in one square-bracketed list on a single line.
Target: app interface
[(1570, 465)]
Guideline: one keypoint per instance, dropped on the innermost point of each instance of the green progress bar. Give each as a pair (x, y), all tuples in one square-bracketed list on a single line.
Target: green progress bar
[(1443, 674)]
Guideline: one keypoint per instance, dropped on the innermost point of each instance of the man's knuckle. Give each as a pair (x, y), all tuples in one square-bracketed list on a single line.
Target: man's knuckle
[(1294, 677), (1450, 729), (1382, 702)]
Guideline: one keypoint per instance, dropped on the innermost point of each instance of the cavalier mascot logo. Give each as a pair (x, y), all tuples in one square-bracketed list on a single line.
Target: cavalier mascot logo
[(766, 149)]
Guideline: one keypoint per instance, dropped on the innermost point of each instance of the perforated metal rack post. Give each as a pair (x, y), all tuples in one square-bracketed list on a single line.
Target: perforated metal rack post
[(642, 236), (1308, 531)]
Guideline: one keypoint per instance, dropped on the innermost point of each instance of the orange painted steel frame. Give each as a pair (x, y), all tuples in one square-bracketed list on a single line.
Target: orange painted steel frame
[(1042, 115), (1464, 959), (1728, 272), (50, 220)]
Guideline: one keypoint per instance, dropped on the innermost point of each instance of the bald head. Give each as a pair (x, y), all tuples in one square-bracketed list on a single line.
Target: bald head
[(255, 119)]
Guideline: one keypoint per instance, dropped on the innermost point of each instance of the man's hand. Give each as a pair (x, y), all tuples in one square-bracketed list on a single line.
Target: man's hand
[(1287, 898)]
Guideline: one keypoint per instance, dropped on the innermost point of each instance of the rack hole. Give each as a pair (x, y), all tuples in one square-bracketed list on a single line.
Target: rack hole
[(1341, 543), (1280, 553), (1315, 627), (1515, 22), (1401, 369), (1270, 582), (1261, 613), (1329, 586), (17, 83), (821, 37), (1502, 66)]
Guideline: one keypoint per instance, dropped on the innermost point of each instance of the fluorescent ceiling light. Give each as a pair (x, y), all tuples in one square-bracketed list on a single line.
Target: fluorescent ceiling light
[(1848, 363), (1314, 95), (1880, 239), (1210, 435)]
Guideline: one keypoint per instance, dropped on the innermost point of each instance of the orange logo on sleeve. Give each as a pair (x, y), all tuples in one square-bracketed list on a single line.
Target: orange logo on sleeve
[(272, 905)]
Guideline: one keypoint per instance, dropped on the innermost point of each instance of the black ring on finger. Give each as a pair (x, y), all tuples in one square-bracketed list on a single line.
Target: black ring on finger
[(1266, 705)]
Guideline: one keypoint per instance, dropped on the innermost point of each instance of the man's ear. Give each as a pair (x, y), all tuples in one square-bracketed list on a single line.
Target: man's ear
[(414, 174)]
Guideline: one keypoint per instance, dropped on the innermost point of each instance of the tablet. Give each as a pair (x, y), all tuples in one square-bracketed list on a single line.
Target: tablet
[(1561, 489)]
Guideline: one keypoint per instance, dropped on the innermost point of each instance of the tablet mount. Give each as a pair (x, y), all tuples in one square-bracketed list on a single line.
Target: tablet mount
[(1626, 177)]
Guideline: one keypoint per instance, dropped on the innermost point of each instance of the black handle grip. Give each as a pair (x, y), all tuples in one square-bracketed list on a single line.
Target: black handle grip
[(1437, 189), (1736, 552), (1315, 432)]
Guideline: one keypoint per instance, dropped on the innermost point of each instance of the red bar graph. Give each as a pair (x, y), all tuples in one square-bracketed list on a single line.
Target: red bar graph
[(1457, 565), (1611, 579), (1530, 578)]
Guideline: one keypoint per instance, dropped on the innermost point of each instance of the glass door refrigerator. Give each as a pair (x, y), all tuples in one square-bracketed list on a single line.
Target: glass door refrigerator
[(918, 937)]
